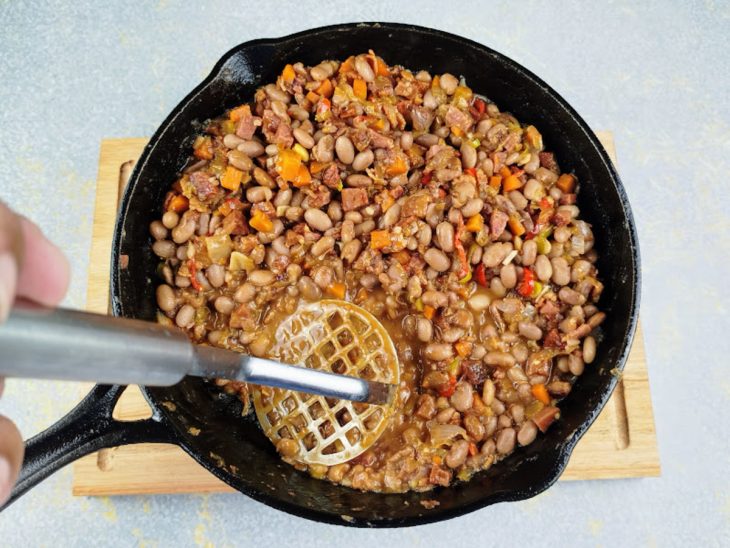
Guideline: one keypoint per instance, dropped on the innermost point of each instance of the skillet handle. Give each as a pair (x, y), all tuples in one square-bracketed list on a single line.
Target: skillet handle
[(88, 427)]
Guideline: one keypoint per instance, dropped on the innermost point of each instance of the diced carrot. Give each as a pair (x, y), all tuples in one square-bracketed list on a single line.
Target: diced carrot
[(516, 226), (456, 130), (203, 148), (511, 182), (505, 172), (288, 164), (495, 181), (179, 204), (381, 69), (312, 97), (360, 88), (379, 239), (348, 65), (398, 167), (463, 348), (402, 256), (315, 167), (475, 223), (541, 393), (337, 290), (436, 82), (429, 312), (566, 183), (387, 202), (472, 448), (303, 178), (239, 112), (288, 74), (261, 222), (325, 89), (232, 178), (437, 460)]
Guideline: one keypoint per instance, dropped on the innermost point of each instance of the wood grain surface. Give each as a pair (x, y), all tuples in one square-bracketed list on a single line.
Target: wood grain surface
[(620, 444)]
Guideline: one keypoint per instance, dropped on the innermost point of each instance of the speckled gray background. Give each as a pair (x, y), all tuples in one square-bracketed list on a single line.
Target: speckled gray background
[(72, 73)]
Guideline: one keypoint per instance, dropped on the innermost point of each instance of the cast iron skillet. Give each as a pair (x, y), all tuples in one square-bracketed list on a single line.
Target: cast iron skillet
[(234, 449)]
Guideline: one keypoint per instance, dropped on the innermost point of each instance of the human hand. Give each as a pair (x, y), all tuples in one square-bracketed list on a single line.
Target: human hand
[(33, 268)]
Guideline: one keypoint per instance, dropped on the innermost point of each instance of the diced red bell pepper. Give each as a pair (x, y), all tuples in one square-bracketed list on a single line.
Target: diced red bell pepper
[(194, 275), (480, 275), (527, 285), (471, 171), (426, 177), (448, 390)]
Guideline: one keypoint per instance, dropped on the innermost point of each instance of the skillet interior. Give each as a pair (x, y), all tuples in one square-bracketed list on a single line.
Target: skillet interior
[(235, 449)]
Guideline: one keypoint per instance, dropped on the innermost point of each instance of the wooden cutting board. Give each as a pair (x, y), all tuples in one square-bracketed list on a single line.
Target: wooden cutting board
[(620, 444)]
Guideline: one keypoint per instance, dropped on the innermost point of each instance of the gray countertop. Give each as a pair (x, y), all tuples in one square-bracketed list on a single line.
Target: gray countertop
[(657, 76)]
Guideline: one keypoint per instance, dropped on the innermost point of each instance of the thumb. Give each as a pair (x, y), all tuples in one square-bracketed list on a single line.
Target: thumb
[(11, 457)]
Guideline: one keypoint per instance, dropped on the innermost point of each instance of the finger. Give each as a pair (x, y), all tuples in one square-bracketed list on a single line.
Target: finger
[(11, 255), (11, 457), (44, 272)]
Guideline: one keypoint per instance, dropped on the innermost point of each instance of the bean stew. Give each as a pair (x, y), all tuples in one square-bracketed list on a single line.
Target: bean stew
[(413, 197)]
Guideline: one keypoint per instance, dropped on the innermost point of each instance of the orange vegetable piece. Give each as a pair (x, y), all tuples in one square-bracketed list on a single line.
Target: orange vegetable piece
[(239, 112), (303, 177), (541, 393), (472, 448), (360, 88), (325, 89), (398, 167), (348, 65), (203, 148), (381, 69), (475, 223), (456, 130), (511, 182), (337, 290), (379, 239), (261, 222), (437, 460), (463, 348), (505, 172), (495, 181), (436, 82), (312, 97), (179, 204), (566, 183), (402, 256), (232, 178), (288, 164), (516, 226), (315, 167), (288, 74), (429, 312)]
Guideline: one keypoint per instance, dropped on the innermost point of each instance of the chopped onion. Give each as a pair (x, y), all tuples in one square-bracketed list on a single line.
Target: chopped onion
[(219, 248), (445, 433), (240, 261)]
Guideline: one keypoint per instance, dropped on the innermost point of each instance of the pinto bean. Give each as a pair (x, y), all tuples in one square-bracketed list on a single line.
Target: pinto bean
[(424, 329), (216, 275), (345, 149), (445, 237), (438, 352), (571, 296), (589, 349), (363, 160), (529, 252), (362, 66), (500, 359), (506, 441), (166, 298), (508, 276), (261, 278), (357, 180), (463, 397), (308, 289), (472, 207), (322, 246), (240, 160), (437, 259), (527, 433), (543, 268), (317, 219), (164, 248), (224, 304), (457, 454), (303, 138), (350, 251), (561, 271), (530, 331), (185, 316), (252, 149), (468, 155), (435, 299)]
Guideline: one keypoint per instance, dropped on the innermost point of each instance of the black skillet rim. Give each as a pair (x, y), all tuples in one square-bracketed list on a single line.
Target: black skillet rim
[(563, 455)]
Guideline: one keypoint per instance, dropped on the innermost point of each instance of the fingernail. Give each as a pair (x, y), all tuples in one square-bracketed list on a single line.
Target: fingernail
[(8, 280), (5, 486)]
